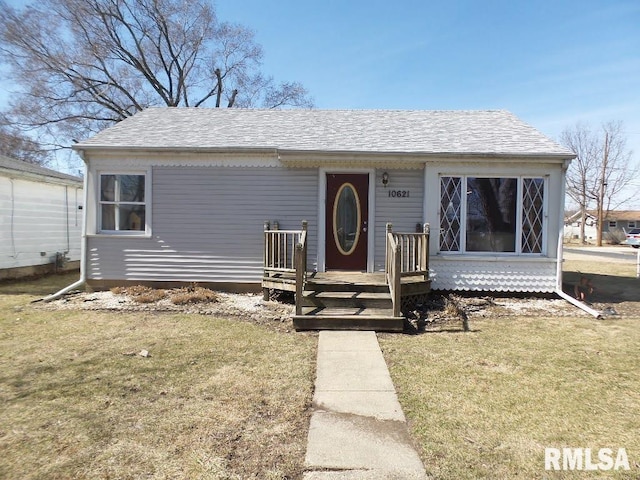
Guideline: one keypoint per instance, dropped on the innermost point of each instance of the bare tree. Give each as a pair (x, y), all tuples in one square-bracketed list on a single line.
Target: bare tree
[(85, 64), (15, 144), (601, 170), (580, 178)]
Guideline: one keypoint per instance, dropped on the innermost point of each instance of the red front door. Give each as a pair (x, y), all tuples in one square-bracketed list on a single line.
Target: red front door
[(347, 214)]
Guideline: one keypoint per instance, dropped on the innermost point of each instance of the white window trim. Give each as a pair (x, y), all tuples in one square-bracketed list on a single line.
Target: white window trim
[(518, 233), (147, 203)]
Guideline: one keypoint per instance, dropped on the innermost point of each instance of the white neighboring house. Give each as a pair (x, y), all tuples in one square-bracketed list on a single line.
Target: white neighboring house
[(41, 218), (182, 194), (616, 223), (572, 227)]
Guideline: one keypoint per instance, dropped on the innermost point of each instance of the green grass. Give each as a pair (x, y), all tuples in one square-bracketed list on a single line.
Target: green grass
[(216, 399)]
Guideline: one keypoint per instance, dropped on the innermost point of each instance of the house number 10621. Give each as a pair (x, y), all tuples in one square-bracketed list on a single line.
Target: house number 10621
[(398, 193)]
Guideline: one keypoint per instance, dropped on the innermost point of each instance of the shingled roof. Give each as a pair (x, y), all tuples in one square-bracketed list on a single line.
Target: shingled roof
[(486, 132), (19, 168)]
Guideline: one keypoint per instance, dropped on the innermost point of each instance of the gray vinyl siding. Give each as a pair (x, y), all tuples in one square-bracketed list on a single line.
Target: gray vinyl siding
[(38, 219), (403, 212), (207, 225)]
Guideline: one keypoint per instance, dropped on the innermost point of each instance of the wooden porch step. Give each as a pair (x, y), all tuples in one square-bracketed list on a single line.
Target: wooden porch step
[(356, 299), (347, 301), (341, 287), (352, 282), (376, 319)]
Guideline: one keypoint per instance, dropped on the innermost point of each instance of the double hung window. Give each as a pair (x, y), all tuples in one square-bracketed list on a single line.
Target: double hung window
[(492, 214), (123, 203)]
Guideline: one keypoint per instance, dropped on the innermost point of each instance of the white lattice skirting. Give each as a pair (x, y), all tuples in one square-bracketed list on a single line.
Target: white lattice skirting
[(495, 275)]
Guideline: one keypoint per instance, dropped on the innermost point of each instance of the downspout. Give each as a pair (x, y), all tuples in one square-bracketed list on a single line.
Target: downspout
[(66, 208), (13, 214), (83, 246), (560, 254)]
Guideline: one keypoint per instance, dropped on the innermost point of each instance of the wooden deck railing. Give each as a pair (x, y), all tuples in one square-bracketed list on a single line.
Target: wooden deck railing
[(301, 267), (407, 255), (280, 248), (393, 271), (285, 255)]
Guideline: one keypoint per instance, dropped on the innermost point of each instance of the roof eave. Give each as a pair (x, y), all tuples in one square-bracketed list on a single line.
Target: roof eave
[(40, 177), (297, 154), (79, 147), (419, 156)]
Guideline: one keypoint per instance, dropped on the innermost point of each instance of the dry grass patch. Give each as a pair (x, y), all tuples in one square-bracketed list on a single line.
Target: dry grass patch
[(140, 293), (215, 399), (485, 403), (178, 296), (192, 294)]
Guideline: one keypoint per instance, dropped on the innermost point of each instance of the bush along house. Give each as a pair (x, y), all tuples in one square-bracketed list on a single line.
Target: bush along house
[(359, 212)]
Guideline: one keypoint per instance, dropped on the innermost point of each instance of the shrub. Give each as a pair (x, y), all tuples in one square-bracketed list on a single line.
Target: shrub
[(193, 294), (150, 297), (140, 293), (615, 237)]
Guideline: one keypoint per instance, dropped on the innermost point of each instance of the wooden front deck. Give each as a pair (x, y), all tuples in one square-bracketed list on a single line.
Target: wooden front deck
[(344, 300), (336, 280)]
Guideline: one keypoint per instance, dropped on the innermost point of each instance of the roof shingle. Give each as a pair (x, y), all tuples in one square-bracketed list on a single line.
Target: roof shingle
[(21, 167), (495, 132)]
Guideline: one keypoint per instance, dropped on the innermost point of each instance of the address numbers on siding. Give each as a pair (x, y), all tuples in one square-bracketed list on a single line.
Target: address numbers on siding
[(399, 193)]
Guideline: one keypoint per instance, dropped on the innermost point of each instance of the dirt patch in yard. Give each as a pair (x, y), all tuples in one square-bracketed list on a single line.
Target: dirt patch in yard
[(616, 294), (440, 307), (246, 307)]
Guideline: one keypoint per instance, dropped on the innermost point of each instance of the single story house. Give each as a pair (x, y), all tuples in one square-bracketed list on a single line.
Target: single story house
[(41, 219), (621, 220), (182, 194)]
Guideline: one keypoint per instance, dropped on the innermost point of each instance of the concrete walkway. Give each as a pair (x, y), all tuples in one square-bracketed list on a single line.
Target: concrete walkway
[(358, 430)]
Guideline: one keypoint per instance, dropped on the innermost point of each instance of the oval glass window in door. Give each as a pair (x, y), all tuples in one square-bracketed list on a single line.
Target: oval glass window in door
[(346, 219)]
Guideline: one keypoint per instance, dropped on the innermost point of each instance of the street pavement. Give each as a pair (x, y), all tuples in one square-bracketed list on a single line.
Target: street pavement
[(608, 253)]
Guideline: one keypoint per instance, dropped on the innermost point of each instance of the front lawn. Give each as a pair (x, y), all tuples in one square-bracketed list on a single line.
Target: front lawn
[(229, 399), (486, 403), (214, 398)]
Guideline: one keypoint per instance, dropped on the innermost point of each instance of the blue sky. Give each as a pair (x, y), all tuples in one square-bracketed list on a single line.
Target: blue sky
[(551, 62)]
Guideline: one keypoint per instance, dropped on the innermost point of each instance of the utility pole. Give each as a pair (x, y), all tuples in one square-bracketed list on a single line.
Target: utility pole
[(603, 184)]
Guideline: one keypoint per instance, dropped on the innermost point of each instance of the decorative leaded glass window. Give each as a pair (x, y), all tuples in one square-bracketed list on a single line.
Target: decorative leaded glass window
[(450, 213), (496, 214), (532, 214)]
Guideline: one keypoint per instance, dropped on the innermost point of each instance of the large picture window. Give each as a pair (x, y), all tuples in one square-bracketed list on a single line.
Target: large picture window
[(492, 214), (122, 203)]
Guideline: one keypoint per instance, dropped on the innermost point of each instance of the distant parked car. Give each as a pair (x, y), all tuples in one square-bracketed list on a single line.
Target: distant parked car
[(633, 237)]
